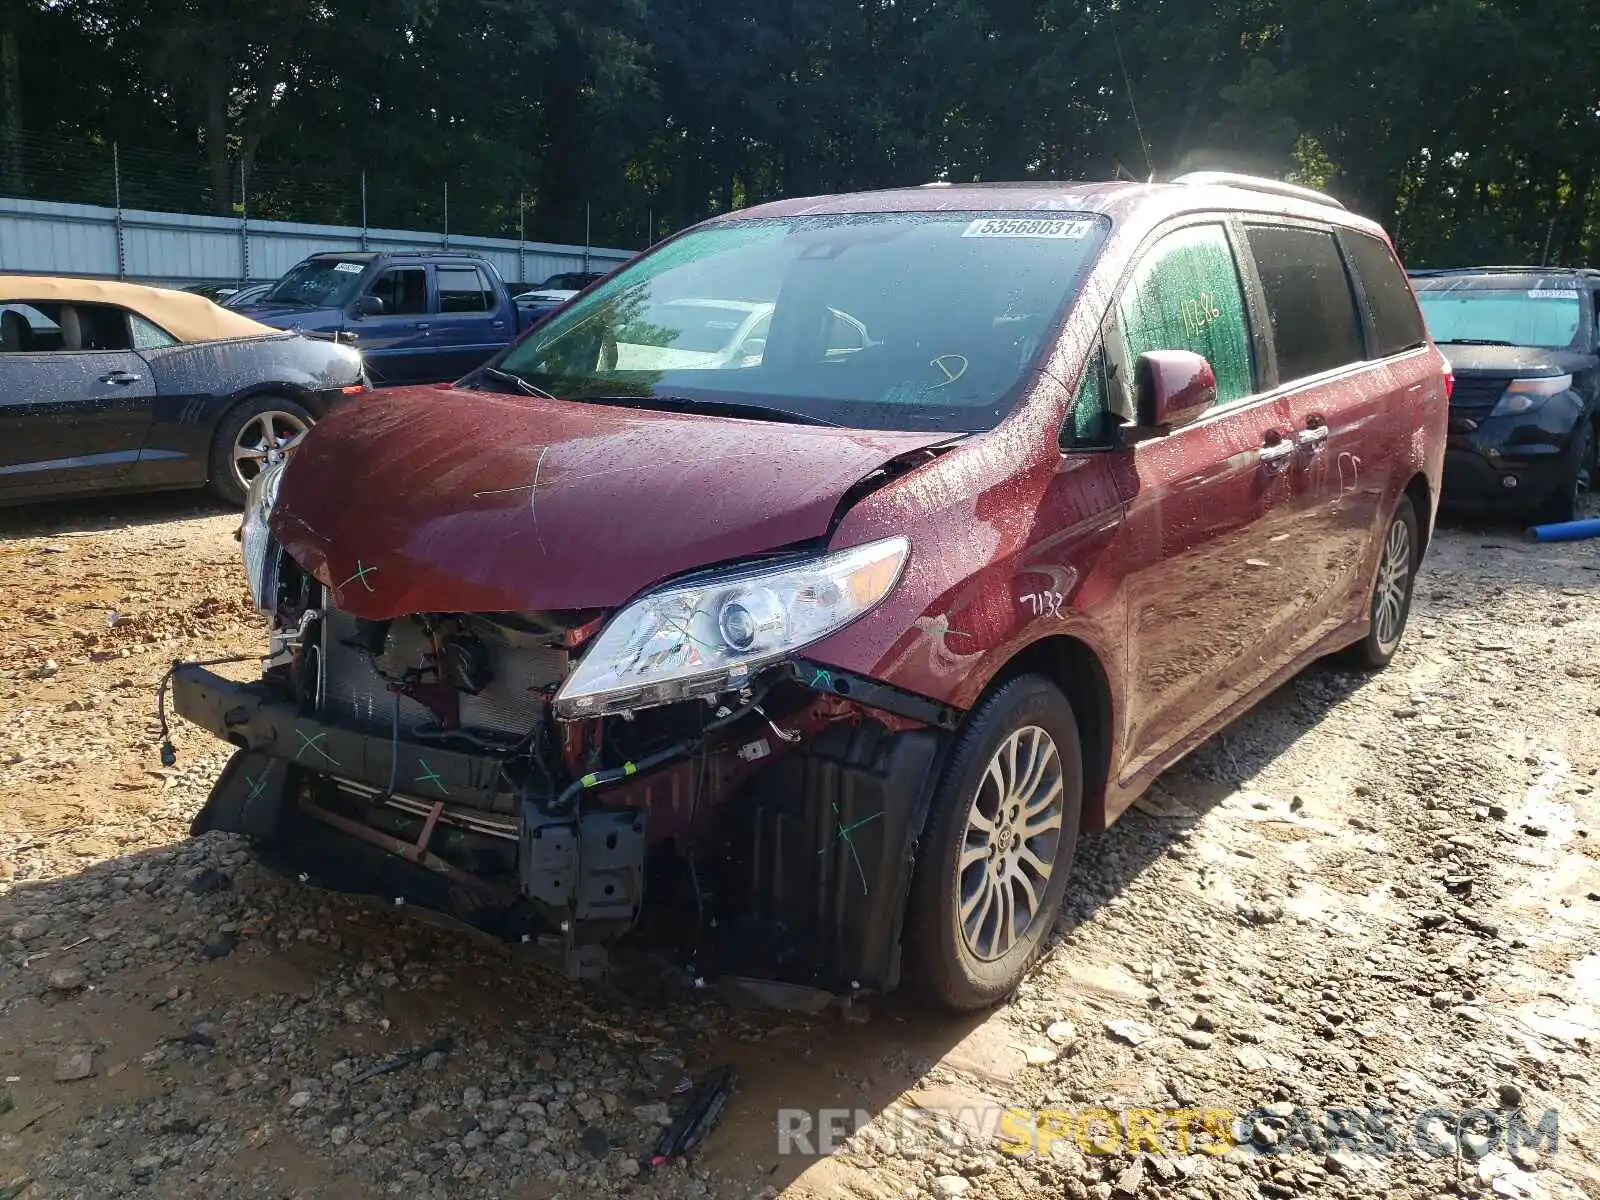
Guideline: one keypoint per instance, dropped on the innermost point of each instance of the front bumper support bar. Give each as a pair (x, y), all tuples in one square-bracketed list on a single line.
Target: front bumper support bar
[(254, 717)]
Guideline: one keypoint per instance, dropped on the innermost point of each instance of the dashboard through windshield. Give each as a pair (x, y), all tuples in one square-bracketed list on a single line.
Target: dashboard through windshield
[(879, 321)]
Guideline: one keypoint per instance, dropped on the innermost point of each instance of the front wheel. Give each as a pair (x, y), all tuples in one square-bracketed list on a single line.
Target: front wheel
[(1399, 555), (250, 436), (1572, 496), (1000, 843)]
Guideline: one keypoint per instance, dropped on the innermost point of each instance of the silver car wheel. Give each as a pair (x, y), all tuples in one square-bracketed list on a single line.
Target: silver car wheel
[(1012, 839), (1394, 578), (261, 440)]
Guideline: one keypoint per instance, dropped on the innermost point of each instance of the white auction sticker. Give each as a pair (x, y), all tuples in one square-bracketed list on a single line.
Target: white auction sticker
[(1551, 294), (349, 268), (1027, 227)]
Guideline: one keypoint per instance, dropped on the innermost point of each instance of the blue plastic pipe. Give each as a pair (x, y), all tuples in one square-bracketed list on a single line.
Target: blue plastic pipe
[(1567, 531)]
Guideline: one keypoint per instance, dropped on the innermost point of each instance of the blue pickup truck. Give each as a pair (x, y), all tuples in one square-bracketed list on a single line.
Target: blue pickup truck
[(416, 316)]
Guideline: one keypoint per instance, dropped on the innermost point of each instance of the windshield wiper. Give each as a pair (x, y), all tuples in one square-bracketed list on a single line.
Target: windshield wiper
[(1474, 342), (728, 408), (518, 382)]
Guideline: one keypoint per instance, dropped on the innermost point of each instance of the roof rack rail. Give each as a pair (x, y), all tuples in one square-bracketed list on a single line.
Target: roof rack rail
[(1255, 183), (1509, 268)]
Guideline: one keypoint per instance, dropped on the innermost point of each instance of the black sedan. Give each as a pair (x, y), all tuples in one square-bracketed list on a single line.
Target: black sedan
[(109, 387)]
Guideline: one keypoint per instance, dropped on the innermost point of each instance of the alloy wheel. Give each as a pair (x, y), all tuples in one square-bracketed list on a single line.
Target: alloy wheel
[(262, 440), (1394, 578), (1012, 839)]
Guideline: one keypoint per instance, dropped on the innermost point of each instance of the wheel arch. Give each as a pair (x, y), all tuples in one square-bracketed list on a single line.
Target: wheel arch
[(1421, 497), (1074, 667), (306, 398)]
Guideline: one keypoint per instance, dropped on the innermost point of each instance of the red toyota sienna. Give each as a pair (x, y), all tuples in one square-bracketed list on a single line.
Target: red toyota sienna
[(793, 599)]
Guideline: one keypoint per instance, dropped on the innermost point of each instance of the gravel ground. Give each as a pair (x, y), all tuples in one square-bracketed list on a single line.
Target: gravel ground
[(1369, 892)]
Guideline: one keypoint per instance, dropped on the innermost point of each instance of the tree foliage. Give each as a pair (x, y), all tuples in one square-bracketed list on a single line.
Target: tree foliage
[(1470, 127)]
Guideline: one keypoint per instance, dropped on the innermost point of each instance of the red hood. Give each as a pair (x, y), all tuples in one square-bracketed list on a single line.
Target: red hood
[(443, 500)]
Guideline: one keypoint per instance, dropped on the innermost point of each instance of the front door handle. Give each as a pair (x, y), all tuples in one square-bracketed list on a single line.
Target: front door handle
[(1274, 454), (122, 377)]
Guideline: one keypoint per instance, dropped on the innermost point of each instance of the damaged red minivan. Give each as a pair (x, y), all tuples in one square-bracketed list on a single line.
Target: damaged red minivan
[(794, 599)]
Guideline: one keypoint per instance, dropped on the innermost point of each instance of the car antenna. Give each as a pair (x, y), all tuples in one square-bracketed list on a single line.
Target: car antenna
[(1132, 107)]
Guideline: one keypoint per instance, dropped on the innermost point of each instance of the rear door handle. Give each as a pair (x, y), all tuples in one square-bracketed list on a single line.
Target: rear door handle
[(1312, 439), (122, 377)]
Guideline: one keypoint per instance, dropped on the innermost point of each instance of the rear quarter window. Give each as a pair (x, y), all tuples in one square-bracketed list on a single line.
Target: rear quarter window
[(1392, 309)]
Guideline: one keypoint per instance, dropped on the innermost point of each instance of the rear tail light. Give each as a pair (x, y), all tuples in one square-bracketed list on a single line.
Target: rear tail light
[(1449, 380), (353, 390)]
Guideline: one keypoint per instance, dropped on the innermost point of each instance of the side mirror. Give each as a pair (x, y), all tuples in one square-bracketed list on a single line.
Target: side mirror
[(753, 348), (1172, 388), (369, 306)]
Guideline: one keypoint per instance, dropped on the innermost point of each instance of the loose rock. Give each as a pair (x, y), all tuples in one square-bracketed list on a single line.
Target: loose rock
[(67, 979), (1135, 1033), (74, 1066)]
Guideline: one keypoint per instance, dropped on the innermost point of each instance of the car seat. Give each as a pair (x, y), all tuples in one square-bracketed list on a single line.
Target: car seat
[(16, 335)]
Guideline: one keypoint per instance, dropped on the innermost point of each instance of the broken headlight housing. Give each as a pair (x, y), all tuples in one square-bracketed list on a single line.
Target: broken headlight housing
[(704, 636), (260, 550)]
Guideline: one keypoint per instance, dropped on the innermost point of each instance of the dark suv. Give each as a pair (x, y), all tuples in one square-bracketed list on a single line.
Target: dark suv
[(1522, 341)]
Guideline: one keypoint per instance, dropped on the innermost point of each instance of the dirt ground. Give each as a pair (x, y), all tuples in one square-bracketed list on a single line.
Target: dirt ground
[(1371, 895)]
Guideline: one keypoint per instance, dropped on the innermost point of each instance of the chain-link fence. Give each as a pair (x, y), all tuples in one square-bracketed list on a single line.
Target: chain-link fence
[(85, 169)]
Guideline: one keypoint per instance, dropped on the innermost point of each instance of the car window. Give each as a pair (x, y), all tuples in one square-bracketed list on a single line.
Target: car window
[(463, 290), (53, 326), (103, 327), (1509, 307), (1311, 310), (902, 320), (1089, 421), (317, 283), (403, 290), (148, 336), (24, 329), (1185, 295), (1392, 309)]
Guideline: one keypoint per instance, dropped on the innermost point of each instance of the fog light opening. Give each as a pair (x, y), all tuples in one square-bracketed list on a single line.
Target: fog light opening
[(1509, 482)]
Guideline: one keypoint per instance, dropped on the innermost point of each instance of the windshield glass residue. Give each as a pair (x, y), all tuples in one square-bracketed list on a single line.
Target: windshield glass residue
[(880, 321), (1522, 310), (321, 283)]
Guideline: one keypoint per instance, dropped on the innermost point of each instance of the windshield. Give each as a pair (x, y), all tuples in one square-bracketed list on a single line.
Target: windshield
[(877, 321), (317, 283), (564, 283), (1522, 310)]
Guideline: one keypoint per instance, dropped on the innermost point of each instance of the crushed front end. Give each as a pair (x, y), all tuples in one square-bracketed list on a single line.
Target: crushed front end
[(567, 779)]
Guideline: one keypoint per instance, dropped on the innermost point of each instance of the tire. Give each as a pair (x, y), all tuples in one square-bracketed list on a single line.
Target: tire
[(1399, 555), (1571, 498), (970, 964), (239, 446)]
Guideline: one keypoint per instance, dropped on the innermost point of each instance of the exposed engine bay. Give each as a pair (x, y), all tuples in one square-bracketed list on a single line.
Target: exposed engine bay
[(761, 828)]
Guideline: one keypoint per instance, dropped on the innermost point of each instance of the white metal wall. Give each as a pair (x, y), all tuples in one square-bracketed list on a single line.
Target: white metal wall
[(44, 238)]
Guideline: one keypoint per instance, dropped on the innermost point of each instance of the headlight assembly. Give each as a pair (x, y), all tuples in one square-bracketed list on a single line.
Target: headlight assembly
[(260, 549), (705, 636), (1525, 395)]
